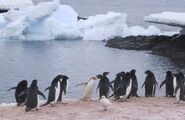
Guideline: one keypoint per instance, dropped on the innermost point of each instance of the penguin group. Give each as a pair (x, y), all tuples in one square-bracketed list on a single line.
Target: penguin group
[(29, 96), (124, 86)]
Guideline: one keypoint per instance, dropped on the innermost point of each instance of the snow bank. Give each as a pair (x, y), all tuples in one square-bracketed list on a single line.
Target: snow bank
[(50, 21), (168, 18), (7, 4)]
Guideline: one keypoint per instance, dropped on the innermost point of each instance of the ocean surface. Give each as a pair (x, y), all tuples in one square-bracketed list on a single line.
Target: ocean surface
[(43, 60)]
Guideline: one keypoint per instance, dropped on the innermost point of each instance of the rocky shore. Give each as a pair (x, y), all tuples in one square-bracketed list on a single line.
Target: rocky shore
[(170, 46)]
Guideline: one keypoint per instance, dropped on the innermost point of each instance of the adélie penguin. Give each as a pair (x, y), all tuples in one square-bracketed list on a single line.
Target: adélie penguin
[(169, 84), (63, 87), (179, 90), (150, 84), (55, 90), (105, 102), (32, 100), (134, 83), (21, 86), (104, 85), (88, 89)]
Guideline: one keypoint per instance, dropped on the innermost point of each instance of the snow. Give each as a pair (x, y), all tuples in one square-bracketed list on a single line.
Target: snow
[(168, 18), (51, 20), (7, 4)]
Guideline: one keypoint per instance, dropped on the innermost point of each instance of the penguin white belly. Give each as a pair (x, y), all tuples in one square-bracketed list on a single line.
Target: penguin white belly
[(153, 91), (174, 84), (88, 90), (178, 95), (57, 93), (129, 89), (38, 101)]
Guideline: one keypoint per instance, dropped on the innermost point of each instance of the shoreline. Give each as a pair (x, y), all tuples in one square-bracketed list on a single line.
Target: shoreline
[(154, 108)]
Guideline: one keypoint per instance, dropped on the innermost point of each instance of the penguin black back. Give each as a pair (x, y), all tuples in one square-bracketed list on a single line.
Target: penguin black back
[(21, 86), (150, 84), (63, 88), (104, 84), (134, 83)]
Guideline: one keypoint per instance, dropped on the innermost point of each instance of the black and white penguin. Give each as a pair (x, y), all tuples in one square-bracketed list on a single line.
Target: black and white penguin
[(63, 87), (21, 86), (150, 84), (118, 85), (32, 100), (128, 85), (104, 85), (54, 90), (179, 90), (134, 83), (169, 84)]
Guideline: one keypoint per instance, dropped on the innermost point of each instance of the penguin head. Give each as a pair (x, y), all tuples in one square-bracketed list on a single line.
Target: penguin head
[(133, 71), (181, 74), (34, 82), (23, 83), (62, 77), (105, 73), (99, 76), (168, 72), (94, 78), (148, 72)]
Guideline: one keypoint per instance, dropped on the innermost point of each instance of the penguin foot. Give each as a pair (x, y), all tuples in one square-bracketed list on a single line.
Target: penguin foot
[(64, 103), (176, 102)]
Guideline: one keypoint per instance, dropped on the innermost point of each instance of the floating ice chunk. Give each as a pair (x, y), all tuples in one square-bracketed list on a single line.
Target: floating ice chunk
[(168, 18)]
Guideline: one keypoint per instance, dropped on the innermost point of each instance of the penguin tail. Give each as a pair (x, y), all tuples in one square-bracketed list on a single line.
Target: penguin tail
[(111, 95), (45, 104)]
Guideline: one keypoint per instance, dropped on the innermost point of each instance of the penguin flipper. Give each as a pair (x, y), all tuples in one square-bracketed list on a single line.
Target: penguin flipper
[(47, 88), (143, 85), (162, 83), (41, 94), (12, 88), (111, 87), (97, 87), (112, 81)]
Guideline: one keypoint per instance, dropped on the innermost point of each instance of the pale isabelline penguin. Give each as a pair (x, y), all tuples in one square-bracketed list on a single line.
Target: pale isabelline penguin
[(63, 87), (88, 89), (54, 91), (105, 102), (32, 100), (150, 84), (21, 86), (169, 84), (134, 83), (104, 85)]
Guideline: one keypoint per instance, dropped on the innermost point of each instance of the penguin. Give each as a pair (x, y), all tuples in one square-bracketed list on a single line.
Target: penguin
[(179, 90), (32, 100), (134, 83), (105, 102), (150, 84), (88, 89), (21, 86), (54, 90), (63, 88), (118, 85), (104, 85), (169, 84)]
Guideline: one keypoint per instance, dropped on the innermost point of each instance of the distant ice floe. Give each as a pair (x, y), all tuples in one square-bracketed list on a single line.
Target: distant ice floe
[(168, 18), (51, 20)]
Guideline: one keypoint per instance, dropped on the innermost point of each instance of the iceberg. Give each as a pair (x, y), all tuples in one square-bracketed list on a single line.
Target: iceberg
[(7, 4), (168, 18), (51, 21)]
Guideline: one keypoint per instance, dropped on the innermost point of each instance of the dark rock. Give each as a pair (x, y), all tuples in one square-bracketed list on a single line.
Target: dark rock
[(170, 46)]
